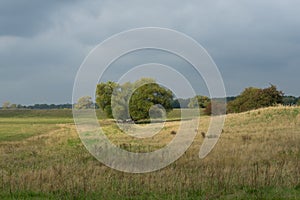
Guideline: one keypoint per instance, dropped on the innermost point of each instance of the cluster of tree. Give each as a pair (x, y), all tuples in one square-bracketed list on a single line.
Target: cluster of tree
[(199, 101), (84, 102), (186, 103), (49, 106), (8, 105), (145, 98), (291, 101), (136, 101), (180, 103), (253, 98), (219, 107)]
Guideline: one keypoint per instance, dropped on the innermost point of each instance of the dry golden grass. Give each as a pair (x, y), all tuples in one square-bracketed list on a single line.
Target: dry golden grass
[(257, 157)]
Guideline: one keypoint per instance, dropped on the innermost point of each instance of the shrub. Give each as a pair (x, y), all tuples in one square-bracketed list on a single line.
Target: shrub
[(254, 98), (219, 108)]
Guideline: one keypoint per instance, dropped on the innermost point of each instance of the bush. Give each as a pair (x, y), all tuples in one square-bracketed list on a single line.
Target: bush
[(199, 101), (254, 98), (219, 108)]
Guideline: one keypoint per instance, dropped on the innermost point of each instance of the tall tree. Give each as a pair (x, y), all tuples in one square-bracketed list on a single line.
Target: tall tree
[(133, 100), (147, 96), (120, 101), (103, 96), (84, 103)]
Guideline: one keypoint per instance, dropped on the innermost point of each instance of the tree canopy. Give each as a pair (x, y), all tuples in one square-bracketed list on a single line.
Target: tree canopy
[(134, 101), (201, 101), (103, 96), (84, 102), (147, 96), (254, 98)]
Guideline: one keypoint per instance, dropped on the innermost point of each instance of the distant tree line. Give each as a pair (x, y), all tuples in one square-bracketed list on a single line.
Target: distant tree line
[(149, 93), (291, 101), (8, 105)]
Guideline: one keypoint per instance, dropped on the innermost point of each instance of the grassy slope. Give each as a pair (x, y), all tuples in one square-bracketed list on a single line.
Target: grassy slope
[(16, 125), (21, 124), (257, 157)]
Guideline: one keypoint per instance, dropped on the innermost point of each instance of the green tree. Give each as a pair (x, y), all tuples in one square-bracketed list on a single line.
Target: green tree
[(120, 101), (298, 102), (147, 96), (201, 101), (289, 100), (84, 103), (254, 98), (133, 100), (247, 100), (19, 106), (270, 96), (103, 96), (184, 102), (219, 108)]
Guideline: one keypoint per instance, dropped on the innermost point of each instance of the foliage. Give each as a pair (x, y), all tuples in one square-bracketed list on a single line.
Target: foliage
[(46, 106), (289, 100), (133, 100), (298, 102), (215, 108), (175, 103), (254, 98), (180, 103), (120, 100), (230, 98), (5, 105), (146, 97), (201, 101), (84, 103), (103, 96)]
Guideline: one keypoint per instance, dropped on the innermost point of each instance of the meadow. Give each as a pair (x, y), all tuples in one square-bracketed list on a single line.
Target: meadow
[(257, 157)]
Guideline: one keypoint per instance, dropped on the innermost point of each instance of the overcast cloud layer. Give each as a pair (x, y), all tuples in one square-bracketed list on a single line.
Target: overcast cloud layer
[(43, 43)]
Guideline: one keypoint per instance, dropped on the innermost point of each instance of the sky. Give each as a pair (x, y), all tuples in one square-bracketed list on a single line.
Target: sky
[(43, 43)]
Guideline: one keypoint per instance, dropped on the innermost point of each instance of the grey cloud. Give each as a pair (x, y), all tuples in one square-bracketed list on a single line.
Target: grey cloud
[(42, 43), (28, 18)]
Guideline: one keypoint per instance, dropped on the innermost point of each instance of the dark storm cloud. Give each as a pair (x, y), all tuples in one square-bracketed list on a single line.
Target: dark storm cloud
[(42, 43), (28, 18)]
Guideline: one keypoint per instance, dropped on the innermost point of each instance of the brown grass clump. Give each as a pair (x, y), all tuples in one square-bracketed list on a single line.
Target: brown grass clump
[(173, 132), (203, 134), (246, 138)]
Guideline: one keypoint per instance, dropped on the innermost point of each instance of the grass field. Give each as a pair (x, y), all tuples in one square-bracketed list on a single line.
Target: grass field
[(257, 157)]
